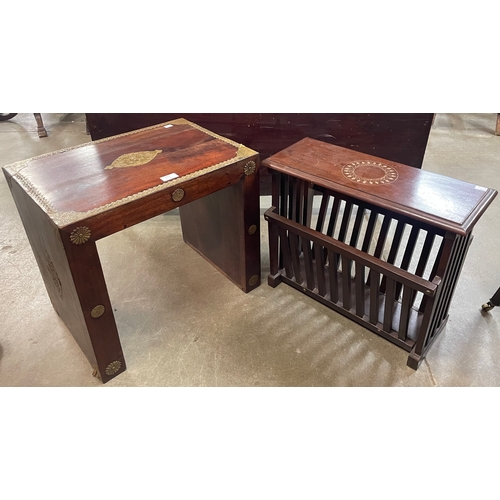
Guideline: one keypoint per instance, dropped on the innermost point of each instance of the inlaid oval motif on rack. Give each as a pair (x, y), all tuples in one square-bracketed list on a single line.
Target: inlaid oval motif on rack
[(369, 172)]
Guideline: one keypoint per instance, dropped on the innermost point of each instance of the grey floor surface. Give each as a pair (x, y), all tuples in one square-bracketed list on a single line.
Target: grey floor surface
[(182, 323)]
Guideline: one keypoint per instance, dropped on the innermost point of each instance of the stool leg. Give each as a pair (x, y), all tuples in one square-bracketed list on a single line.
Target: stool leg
[(224, 227), (95, 308), (75, 284)]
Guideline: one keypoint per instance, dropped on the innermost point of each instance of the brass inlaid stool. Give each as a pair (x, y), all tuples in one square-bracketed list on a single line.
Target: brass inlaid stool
[(69, 199)]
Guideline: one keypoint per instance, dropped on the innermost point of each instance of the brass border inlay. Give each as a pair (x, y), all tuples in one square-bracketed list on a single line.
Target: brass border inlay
[(388, 174), (80, 235), (97, 311), (62, 219), (252, 229), (53, 274), (134, 159), (113, 367), (253, 280), (249, 168), (178, 194)]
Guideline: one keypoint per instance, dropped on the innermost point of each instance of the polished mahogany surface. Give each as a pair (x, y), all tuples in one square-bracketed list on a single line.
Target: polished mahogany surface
[(96, 174), (448, 203), (400, 137)]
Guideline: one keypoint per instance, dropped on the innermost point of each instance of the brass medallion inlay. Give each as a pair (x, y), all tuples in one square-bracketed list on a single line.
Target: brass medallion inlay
[(249, 168), (252, 229), (97, 311), (113, 367), (178, 194), (80, 235), (134, 159), (53, 275), (253, 280), (369, 172)]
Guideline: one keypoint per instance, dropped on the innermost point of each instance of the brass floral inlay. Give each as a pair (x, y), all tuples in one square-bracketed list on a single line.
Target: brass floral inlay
[(80, 235), (253, 280), (134, 159), (249, 168), (53, 275), (178, 194), (113, 367), (98, 311)]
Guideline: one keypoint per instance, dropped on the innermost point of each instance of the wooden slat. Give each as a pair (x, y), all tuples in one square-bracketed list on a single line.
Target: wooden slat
[(333, 216), (273, 249), (320, 269), (423, 259), (345, 221), (275, 189), (308, 264), (405, 313), (369, 231), (322, 212), (294, 249), (389, 305), (410, 248), (357, 226), (382, 236), (346, 282), (374, 297), (360, 289), (285, 252), (333, 259), (284, 187), (299, 216), (396, 241), (437, 262)]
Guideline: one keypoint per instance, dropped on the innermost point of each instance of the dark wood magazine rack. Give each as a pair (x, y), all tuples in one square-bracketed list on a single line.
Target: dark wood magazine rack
[(386, 245)]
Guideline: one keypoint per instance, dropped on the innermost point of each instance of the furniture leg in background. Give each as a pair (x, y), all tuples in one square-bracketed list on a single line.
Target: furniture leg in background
[(41, 129), (493, 302)]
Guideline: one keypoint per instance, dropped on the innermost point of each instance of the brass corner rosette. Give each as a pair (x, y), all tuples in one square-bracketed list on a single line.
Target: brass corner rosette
[(80, 235), (249, 167), (113, 368)]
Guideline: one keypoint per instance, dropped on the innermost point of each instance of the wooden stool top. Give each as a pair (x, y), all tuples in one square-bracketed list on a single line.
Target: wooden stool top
[(89, 179), (442, 201)]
